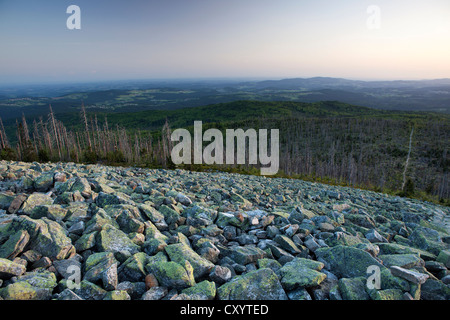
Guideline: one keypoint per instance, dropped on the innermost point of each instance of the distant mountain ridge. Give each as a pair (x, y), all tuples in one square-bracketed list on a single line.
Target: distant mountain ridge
[(134, 96)]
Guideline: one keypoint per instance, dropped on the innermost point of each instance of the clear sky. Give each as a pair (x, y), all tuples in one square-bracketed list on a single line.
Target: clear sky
[(137, 39)]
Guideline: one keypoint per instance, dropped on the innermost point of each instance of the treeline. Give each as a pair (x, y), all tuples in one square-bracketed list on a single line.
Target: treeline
[(49, 140), (363, 152)]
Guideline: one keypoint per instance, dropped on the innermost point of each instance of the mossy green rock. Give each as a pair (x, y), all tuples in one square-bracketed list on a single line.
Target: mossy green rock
[(52, 241), (14, 245), (117, 295), (96, 264), (5, 200), (43, 182), (154, 215), (133, 269), (269, 263), (54, 212), (444, 257), (245, 255), (205, 289), (261, 284), (180, 252), (31, 286), (173, 275), (301, 272), (90, 291), (24, 291), (395, 248), (34, 200), (388, 294), (86, 241), (346, 261), (287, 244), (353, 288), (114, 240), (10, 269), (402, 260)]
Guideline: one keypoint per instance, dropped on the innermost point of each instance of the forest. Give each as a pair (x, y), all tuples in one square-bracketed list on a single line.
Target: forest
[(402, 153)]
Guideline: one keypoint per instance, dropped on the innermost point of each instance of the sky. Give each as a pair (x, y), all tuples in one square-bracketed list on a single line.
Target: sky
[(224, 39)]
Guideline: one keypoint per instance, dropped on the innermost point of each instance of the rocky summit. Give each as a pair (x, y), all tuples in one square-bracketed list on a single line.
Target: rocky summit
[(90, 232)]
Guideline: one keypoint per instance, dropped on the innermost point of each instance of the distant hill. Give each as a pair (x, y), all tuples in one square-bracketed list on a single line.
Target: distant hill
[(423, 95)]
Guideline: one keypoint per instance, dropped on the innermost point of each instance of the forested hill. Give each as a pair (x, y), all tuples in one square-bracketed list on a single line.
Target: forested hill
[(242, 110)]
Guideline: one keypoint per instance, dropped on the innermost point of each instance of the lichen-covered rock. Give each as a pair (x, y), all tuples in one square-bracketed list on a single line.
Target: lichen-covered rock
[(353, 288), (114, 240), (180, 252), (31, 286), (301, 273), (14, 245), (152, 234), (261, 284), (34, 200), (246, 254), (206, 290), (10, 269), (173, 275), (347, 261)]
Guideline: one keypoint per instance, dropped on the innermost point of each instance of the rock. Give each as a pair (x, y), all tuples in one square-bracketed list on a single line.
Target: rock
[(261, 284), (402, 260), (154, 215), (68, 294), (346, 261), (155, 293), (269, 263), (5, 200), (374, 237), (204, 290), (14, 245), (395, 248), (388, 294), (180, 252), (110, 277), (53, 212), (353, 288), (90, 291), (97, 264), (30, 286), (17, 203), (114, 240), (86, 241), (150, 281), (52, 241), (301, 273), (134, 289), (173, 275), (245, 255), (412, 276), (34, 200), (10, 269), (67, 267), (44, 182), (183, 199), (435, 290), (299, 294), (444, 258), (220, 275), (117, 295), (287, 244), (133, 269)]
